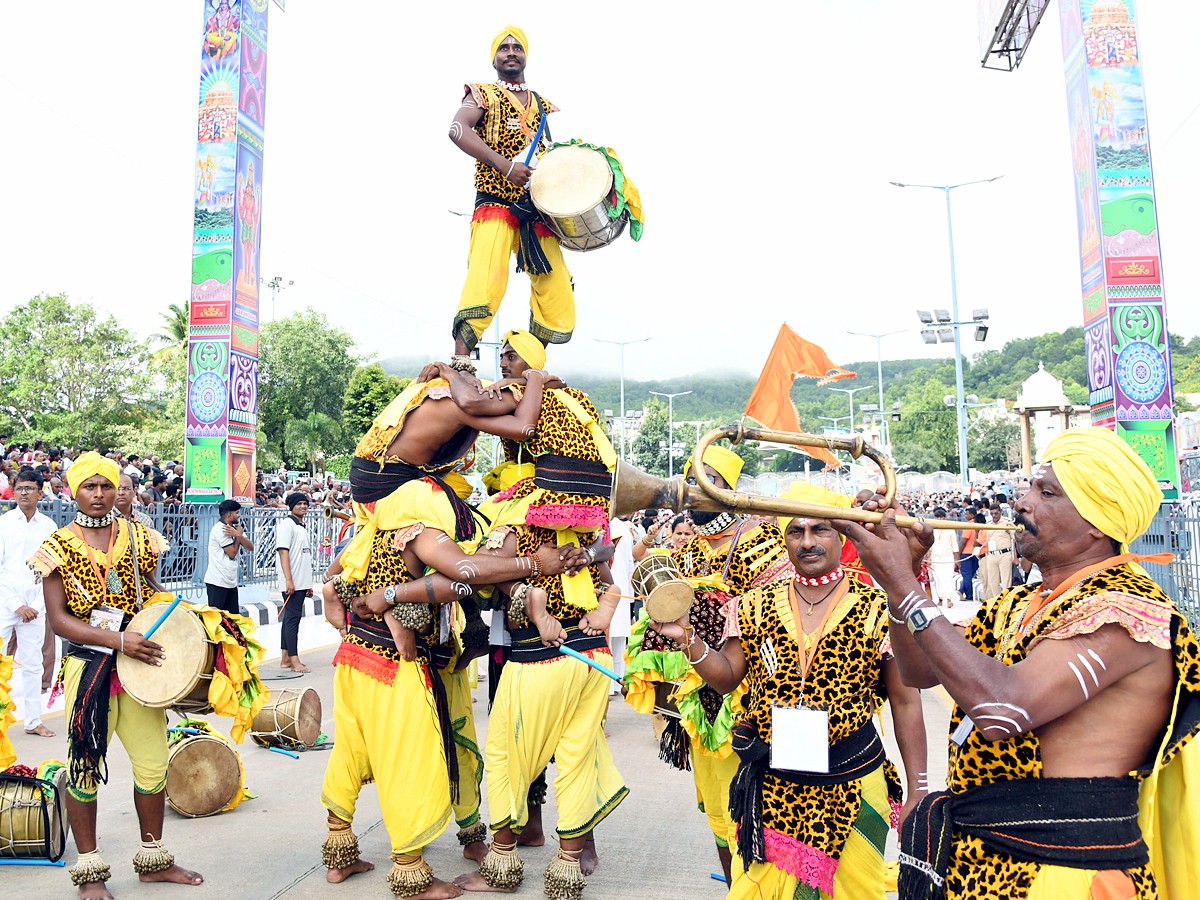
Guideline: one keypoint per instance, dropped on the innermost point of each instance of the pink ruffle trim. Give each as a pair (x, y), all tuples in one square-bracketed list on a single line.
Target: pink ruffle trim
[(809, 865), (507, 493), (894, 817), (567, 515)]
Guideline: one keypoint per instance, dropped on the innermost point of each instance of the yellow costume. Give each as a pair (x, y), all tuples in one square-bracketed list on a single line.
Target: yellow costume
[(8, 755)]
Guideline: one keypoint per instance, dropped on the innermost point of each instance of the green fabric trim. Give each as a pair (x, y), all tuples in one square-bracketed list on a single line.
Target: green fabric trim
[(636, 226), (601, 814), (872, 826), (471, 747), (713, 735)]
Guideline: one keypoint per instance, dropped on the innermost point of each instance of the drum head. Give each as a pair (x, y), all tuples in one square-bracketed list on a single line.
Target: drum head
[(570, 180), (203, 775), (188, 655), (670, 601), (308, 722)]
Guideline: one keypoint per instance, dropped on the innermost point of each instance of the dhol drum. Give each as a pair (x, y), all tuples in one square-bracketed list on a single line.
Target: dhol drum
[(204, 775), (33, 817), (657, 579), (182, 681), (663, 704), (570, 188), (291, 720)]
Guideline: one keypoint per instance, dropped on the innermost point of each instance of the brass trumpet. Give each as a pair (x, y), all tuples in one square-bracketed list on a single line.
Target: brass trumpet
[(634, 489), (330, 514)]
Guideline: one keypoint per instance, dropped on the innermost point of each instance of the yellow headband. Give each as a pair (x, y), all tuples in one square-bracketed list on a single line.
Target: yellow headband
[(1109, 484), (89, 464), (725, 461), (812, 493), (505, 32), (528, 348)]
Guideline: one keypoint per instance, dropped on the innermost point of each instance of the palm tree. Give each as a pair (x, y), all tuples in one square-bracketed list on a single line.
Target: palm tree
[(308, 438), (174, 335)]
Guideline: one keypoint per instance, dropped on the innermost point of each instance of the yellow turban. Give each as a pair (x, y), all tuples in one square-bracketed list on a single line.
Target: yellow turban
[(813, 493), (1109, 484), (89, 464), (506, 475), (505, 32), (725, 461), (528, 348)]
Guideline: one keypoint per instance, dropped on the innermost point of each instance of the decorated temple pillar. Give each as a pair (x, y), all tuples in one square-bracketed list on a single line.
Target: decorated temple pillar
[(1124, 313), (222, 388)]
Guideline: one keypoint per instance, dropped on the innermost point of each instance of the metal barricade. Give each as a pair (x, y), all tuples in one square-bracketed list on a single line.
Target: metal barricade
[(1176, 530)]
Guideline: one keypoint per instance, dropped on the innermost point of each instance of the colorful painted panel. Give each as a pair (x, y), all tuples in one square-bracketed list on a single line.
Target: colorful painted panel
[(1128, 352), (222, 398)]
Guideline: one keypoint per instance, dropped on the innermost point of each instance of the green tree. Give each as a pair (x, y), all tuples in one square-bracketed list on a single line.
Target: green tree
[(312, 438), (994, 443), (160, 432), (928, 425), (369, 391), (69, 377), (304, 367), (174, 336), (650, 446)]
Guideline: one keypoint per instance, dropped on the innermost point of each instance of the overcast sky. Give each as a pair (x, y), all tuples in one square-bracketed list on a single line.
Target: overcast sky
[(762, 145)]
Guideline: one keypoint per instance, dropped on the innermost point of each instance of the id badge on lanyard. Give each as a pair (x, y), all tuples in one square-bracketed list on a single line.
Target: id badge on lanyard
[(800, 739)]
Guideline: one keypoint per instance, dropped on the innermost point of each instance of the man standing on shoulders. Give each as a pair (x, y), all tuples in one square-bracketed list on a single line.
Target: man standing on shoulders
[(496, 125), (225, 539), (93, 571), (294, 563), (22, 604), (1077, 700), (814, 793)]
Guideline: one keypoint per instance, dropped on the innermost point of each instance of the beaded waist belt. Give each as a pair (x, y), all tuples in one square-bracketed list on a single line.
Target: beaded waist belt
[(572, 475)]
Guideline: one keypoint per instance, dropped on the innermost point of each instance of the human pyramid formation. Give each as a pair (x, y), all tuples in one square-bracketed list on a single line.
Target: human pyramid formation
[(794, 639)]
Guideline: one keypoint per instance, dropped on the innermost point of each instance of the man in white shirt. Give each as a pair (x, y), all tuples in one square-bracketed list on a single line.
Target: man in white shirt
[(294, 565), (224, 540), (943, 563), (22, 605)]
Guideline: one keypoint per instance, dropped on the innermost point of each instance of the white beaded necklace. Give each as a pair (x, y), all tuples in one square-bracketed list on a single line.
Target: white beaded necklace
[(509, 86)]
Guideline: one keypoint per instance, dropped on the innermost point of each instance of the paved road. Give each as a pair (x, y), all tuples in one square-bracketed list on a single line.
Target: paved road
[(655, 846)]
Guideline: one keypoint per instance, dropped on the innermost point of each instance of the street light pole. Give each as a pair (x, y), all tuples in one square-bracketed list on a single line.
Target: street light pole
[(622, 344), (964, 471), (276, 285), (670, 428), (884, 430), (851, 392)]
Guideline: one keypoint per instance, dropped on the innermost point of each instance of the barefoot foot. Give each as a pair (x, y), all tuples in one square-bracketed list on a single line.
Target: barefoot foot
[(439, 890), (40, 731), (473, 881), (174, 875), (94, 890), (475, 851), (589, 859), (531, 837), (337, 876), (300, 667)]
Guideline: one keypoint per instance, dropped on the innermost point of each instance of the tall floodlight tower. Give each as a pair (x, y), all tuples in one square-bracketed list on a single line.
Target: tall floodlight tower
[(1124, 309), (222, 373)]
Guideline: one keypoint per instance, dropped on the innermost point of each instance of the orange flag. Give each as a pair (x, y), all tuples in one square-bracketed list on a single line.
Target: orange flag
[(771, 402)]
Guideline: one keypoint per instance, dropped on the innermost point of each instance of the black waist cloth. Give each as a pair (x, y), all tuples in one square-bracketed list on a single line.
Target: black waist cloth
[(572, 475), (87, 720), (527, 647), (369, 482), (851, 758), (1079, 823), (530, 256)]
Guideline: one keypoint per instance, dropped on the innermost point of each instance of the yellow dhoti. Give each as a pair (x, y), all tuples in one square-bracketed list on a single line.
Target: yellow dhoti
[(466, 745), (713, 776), (551, 709), (389, 734), (551, 296), (859, 874)]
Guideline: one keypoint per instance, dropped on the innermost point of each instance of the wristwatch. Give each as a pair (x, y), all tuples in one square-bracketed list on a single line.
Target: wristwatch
[(919, 619), (389, 595)]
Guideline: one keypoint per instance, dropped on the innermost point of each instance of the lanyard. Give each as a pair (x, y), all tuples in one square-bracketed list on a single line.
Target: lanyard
[(807, 658)]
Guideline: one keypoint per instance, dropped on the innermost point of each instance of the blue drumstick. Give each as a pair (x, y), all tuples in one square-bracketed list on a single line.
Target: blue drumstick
[(187, 730), (31, 862), (284, 752), (537, 138), (603, 670), (170, 609)]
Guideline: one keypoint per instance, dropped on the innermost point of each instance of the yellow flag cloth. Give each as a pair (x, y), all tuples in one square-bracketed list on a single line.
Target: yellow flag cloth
[(604, 447), (725, 461), (1109, 484), (89, 464), (505, 32), (505, 475), (812, 493), (528, 348), (237, 691), (8, 755)]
